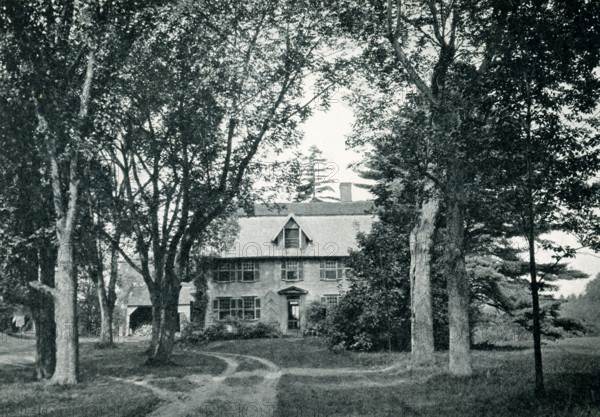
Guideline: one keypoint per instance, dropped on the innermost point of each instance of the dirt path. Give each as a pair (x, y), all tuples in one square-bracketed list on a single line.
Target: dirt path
[(246, 393), (229, 392)]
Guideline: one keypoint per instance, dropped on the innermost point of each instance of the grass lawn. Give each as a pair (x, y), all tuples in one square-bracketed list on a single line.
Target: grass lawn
[(502, 383), (310, 352), (99, 393)]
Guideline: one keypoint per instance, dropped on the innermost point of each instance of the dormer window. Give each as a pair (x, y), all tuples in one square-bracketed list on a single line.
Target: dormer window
[(291, 236)]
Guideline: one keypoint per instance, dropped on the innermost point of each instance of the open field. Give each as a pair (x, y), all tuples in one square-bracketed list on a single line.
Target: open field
[(300, 377)]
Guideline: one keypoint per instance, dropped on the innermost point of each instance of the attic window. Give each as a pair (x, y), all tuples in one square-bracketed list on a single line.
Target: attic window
[(291, 236)]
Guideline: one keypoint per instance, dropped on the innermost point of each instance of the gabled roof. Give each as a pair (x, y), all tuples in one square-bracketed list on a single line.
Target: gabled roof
[(291, 216), (141, 297), (332, 228)]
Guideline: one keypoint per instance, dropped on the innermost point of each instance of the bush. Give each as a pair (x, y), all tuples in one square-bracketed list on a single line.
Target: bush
[(366, 326), (229, 329), (316, 318), (194, 333)]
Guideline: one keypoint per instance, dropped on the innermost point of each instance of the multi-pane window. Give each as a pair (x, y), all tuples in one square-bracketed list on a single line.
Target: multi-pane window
[(331, 269), (251, 307), (249, 271), (292, 270), (222, 307), (236, 271), (330, 301), (225, 272), (291, 237), (245, 308)]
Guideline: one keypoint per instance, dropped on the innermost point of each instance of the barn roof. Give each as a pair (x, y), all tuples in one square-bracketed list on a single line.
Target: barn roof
[(331, 227), (141, 297)]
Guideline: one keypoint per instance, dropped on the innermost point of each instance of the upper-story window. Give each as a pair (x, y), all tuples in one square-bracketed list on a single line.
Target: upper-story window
[(250, 271), (331, 269), (236, 271), (291, 236), (292, 270), (225, 272)]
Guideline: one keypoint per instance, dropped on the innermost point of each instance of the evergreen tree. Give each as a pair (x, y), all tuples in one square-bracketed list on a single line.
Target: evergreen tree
[(315, 175), (537, 159)]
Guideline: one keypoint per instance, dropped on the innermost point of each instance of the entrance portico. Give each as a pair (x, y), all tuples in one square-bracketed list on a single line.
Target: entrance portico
[(293, 302)]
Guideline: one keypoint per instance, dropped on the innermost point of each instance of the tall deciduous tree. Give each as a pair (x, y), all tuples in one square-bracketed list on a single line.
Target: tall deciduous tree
[(210, 87), (45, 50), (103, 227), (56, 48), (423, 54), (28, 252)]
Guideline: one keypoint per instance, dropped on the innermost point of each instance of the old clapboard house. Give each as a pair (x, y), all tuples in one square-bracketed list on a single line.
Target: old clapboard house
[(285, 258), (282, 259)]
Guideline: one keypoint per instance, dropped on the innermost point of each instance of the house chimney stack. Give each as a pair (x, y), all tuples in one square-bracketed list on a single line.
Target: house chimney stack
[(345, 192)]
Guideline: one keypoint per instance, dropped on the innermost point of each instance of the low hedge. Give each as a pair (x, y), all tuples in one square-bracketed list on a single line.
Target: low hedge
[(228, 329)]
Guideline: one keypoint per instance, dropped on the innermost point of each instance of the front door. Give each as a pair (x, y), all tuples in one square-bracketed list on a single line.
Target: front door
[(293, 315)]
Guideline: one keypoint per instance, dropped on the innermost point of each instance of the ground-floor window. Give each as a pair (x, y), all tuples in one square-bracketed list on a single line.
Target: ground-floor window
[(251, 308), (245, 307), (330, 301)]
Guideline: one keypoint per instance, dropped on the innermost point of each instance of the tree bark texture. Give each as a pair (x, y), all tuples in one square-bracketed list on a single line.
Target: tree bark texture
[(107, 296), (42, 311), (421, 242), (458, 290), (164, 323), (65, 314), (106, 338)]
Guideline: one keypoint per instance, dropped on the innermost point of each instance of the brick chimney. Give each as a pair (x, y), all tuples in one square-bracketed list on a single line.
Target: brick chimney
[(345, 192)]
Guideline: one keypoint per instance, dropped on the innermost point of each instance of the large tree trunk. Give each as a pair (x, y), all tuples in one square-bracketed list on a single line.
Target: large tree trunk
[(43, 316), (45, 335), (421, 244), (107, 297), (65, 291), (164, 323), (65, 315), (106, 337), (458, 290)]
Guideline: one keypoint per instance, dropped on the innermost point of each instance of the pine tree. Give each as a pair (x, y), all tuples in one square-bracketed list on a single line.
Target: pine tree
[(315, 175)]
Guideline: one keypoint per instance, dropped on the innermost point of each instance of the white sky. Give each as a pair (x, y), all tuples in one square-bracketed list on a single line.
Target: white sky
[(585, 260), (328, 131)]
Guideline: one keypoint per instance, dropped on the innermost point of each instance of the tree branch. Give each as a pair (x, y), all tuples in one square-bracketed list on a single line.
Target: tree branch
[(393, 36), (116, 244), (36, 285)]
